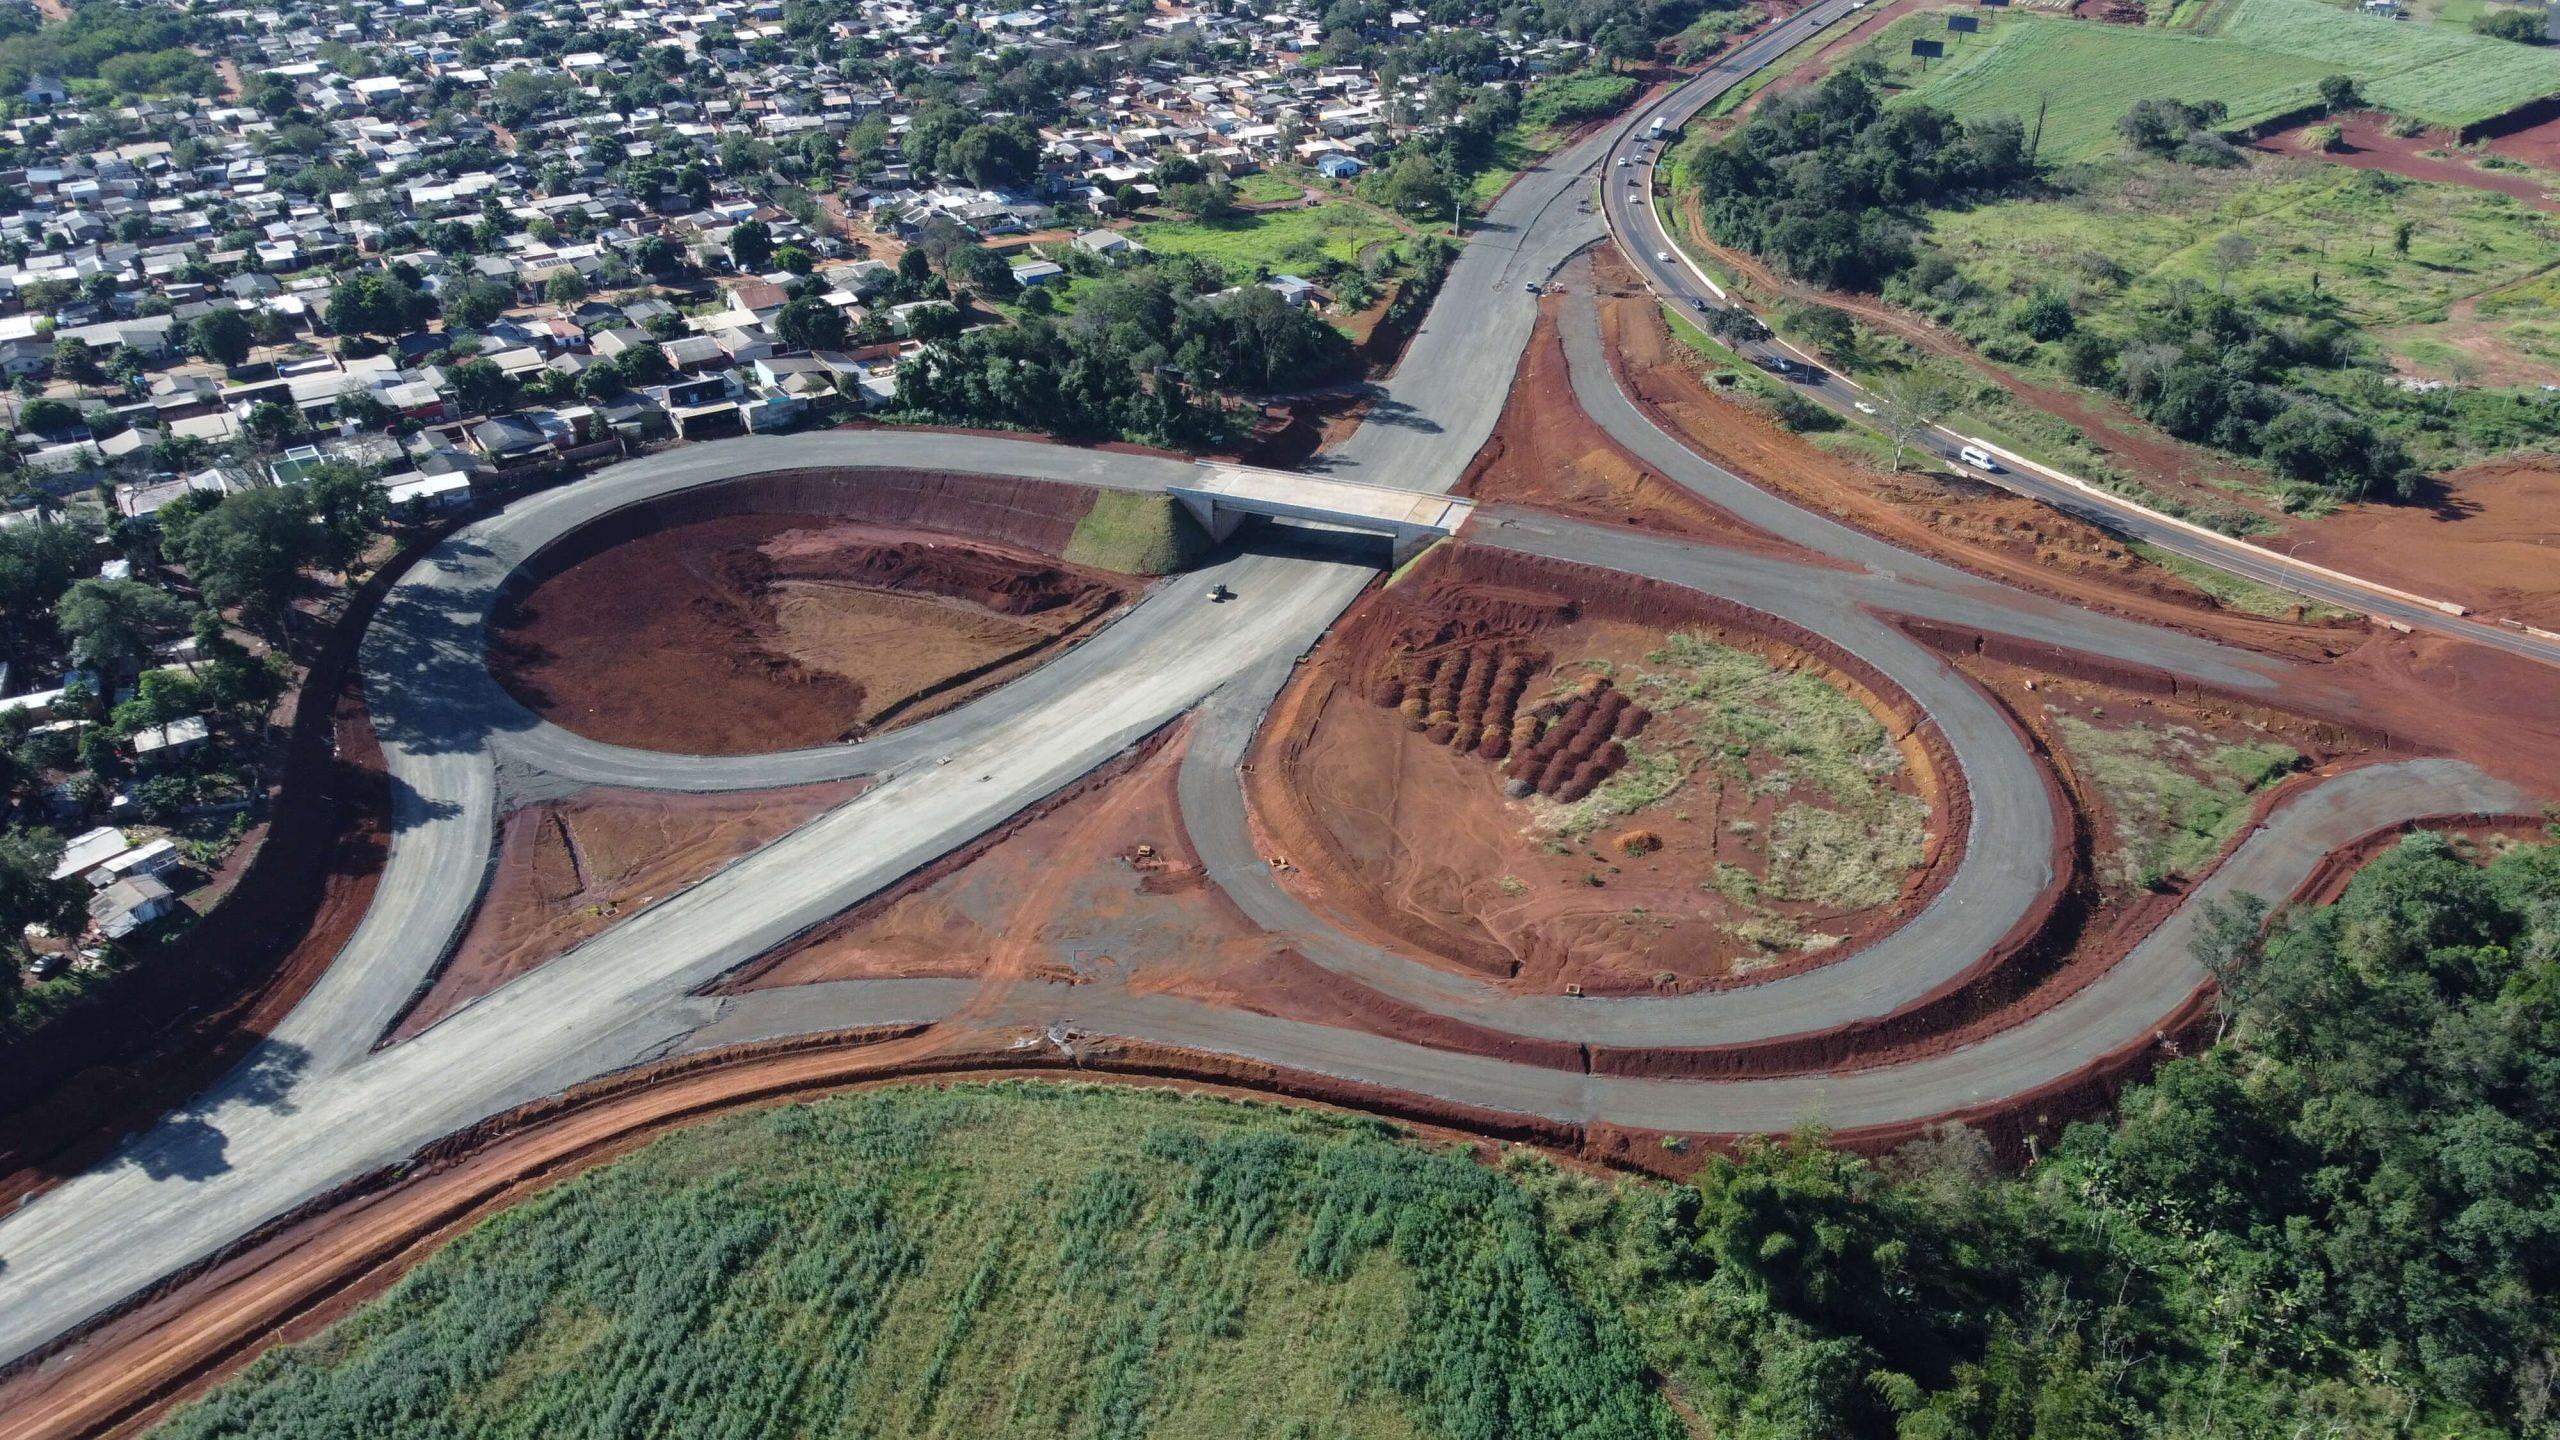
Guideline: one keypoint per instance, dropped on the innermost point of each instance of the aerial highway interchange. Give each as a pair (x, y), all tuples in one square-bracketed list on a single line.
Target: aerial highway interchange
[(324, 1101)]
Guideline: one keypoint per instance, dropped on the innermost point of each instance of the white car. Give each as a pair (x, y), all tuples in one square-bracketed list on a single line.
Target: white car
[(1979, 459), (1662, 255), (1863, 407), (1624, 162)]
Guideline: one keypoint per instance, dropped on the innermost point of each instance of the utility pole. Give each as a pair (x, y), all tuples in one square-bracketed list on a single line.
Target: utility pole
[(2036, 142)]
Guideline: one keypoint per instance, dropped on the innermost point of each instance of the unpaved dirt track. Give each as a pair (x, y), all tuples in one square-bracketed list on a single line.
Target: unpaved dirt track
[(318, 1105)]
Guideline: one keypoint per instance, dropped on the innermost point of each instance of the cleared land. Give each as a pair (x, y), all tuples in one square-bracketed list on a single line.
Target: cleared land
[(749, 633), (1012, 1261), (1274, 242)]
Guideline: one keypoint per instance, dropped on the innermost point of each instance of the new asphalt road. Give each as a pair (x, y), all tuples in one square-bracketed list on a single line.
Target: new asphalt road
[(318, 1104)]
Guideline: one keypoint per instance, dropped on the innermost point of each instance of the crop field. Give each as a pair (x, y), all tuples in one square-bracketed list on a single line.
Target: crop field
[(2440, 73), (2260, 58), (2089, 75), (1274, 243), (1023, 1260)]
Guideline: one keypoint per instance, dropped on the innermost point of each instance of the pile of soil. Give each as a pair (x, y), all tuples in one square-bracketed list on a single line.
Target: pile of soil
[(740, 634), (1425, 845), (569, 869), (1545, 453)]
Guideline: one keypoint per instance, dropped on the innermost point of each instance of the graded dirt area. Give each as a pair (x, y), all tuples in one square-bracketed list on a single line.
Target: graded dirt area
[(2537, 144), (2490, 540), (2364, 144), (1545, 453), (1097, 883), (739, 634), (567, 869), (1562, 779)]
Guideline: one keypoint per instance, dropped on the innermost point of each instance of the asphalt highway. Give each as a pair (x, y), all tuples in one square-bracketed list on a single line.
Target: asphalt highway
[(1626, 190), (318, 1104)]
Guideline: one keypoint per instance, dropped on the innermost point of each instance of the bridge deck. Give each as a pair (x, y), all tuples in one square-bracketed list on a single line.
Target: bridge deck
[(1280, 492)]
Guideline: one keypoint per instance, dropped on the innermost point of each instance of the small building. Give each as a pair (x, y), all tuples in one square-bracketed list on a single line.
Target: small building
[(1030, 273), (154, 858), (170, 743), (1335, 165), (129, 905), (87, 851)]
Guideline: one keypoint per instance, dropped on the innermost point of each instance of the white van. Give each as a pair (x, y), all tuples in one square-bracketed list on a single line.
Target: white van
[(1978, 458)]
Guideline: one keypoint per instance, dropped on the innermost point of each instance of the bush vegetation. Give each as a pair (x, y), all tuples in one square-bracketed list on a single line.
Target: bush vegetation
[(1827, 183)]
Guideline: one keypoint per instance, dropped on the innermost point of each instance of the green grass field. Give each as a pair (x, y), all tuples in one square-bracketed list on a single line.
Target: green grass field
[(1023, 1260), (2261, 58), (2439, 73), (2089, 75), (1264, 187), (1275, 243), (2130, 231)]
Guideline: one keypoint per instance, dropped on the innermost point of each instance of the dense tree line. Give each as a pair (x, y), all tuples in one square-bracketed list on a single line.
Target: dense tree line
[(2341, 1217), (1825, 182), (1144, 356)]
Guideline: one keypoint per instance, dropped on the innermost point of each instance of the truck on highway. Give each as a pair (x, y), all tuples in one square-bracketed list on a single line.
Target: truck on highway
[(1660, 127)]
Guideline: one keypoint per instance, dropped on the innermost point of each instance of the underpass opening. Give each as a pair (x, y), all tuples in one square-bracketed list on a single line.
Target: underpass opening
[(1229, 497)]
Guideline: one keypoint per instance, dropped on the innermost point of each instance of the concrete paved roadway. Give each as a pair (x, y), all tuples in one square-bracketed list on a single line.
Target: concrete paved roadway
[(1626, 197), (315, 1105), (1439, 407)]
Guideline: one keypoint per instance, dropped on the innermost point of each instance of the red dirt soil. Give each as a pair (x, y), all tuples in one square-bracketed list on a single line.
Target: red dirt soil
[(2366, 145), (568, 869), (1975, 527), (2537, 144), (1546, 454), (740, 634), (1412, 840), (1099, 883), (2491, 541)]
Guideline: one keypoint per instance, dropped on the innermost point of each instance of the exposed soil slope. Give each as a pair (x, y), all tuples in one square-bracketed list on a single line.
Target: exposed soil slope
[(2491, 541), (744, 633)]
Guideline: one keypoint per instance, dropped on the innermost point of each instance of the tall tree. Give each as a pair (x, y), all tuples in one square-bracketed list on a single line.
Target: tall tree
[(110, 623)]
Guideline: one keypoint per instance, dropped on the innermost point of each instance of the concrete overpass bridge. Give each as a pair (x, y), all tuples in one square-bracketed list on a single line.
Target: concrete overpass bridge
[(1226, 496)]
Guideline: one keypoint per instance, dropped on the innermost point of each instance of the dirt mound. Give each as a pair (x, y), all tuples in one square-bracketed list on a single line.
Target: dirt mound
[(1585, 780), (742, 633)]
